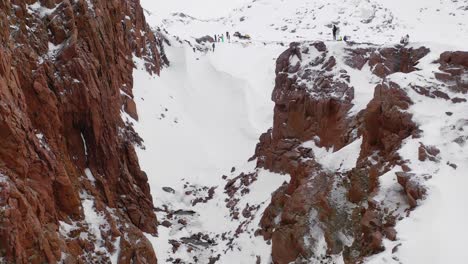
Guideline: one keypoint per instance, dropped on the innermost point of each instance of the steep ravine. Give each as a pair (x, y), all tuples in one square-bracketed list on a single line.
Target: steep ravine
[(362, 136), (71, 189)]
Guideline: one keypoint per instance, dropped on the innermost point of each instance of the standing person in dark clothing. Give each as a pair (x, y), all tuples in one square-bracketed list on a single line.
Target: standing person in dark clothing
[(228, 36), (216, 38), (213, 46), (405, 40), (335, 29)]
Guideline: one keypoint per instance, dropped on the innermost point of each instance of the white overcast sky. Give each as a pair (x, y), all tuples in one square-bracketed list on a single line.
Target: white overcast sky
[(196, 8)]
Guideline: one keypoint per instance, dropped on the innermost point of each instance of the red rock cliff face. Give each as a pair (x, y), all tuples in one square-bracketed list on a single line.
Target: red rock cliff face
[(323, 213), (71, 188)]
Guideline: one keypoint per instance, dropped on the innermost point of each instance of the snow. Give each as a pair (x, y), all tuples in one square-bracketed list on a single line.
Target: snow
[(464, 78), (199, 8), (91, 227), (200, 118), (434, 232), (84, 145), (54, 50), (90, 6), (124, 94), (215, 110), (342, 160), (114, 257), (42, 141), (362, 81), (3, 178), (90, 176), (273, 20), (436, 21), (442, 208), (95, 223), (41, 10), (65, 228), (94, 219)]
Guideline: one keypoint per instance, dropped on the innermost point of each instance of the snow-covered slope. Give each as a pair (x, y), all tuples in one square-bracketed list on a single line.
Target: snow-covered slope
[(443, 21), (434, 232), (204, 114), (199, 119)]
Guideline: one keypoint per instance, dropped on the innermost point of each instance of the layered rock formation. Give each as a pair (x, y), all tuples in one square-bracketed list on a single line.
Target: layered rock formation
[(328, 210), (71, 188)]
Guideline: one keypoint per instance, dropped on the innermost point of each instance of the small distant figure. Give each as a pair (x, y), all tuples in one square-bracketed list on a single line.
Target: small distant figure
[(404, 40), (213, 46), (335, 30), (346, 38), (216, 38), (194, 50), (228, 36)]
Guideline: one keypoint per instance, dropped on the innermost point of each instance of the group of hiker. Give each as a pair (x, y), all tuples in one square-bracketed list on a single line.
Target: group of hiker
[(336, 32), (220, 38)]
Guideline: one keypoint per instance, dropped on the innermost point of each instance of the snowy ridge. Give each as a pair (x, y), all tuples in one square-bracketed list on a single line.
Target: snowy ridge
[(362, 20)]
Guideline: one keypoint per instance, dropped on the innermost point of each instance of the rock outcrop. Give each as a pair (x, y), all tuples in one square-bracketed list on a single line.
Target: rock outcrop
[(71, 188), (454, 66), (325, 213)]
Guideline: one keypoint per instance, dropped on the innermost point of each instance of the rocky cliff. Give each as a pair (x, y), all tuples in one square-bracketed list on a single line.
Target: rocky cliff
[(71, 188), (338, 100)]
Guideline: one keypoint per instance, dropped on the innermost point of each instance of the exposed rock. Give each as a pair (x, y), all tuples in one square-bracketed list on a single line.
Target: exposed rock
[(168, 189), (390, 233), (454, 67), (455, 58), (384, 124), (358, 57), (205, 39), (428, 153), (64, 145), (396, 59), (312, 98), (413, 189), (457, 100), (166, 223)]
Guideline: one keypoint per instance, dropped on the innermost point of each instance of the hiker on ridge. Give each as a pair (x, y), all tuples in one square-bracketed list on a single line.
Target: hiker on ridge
[(335, 30), (404, 40)]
